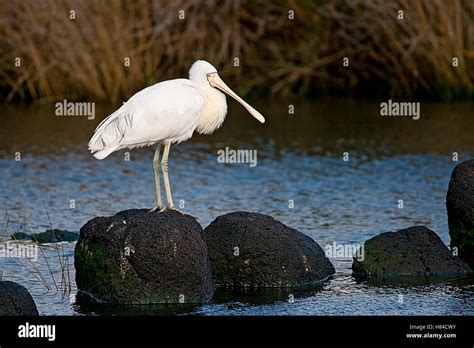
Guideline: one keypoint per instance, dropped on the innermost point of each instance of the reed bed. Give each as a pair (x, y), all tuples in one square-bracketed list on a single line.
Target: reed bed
[(59, 264), (84, 58)]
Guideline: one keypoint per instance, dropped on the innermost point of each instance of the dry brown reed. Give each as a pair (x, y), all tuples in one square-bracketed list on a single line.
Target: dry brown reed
[(83, 58), (33, 269)]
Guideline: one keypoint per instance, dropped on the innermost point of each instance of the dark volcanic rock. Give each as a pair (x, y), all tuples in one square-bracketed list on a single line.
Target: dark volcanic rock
[(460, 206), (139, 257), (16, 300), (250, 249), (414, 251)]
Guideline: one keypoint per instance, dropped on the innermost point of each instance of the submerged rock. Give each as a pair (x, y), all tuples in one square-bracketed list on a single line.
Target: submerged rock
[(54, 236), (414, 251), (139, 257), (250, 249), (21, 236), (48, 236), (460, 207), (16, 300)]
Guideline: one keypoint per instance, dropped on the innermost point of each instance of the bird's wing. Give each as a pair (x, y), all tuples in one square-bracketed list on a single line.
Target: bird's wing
[(166, 110)]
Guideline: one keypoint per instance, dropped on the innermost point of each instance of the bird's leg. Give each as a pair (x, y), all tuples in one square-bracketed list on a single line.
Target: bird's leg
[(164, 167), (156, 170), (169, 199)]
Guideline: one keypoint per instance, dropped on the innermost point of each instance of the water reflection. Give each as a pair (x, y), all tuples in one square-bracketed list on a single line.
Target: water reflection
[(324, 127)]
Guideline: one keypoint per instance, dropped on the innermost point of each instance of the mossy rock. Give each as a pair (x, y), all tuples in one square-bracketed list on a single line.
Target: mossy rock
[(254, 250), (415, 251), (140, 257), (460, 207)]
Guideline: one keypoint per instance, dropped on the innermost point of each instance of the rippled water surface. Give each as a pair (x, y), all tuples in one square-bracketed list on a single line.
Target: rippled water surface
[(300, 158)]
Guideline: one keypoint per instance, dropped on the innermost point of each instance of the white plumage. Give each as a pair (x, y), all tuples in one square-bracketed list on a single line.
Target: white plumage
[(166, 113)]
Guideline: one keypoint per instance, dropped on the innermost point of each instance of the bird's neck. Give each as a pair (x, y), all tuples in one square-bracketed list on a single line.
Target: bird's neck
[(214, 112)]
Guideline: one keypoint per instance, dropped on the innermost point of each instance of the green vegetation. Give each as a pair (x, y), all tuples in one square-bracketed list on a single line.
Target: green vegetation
[(83, 57), (97, 275)]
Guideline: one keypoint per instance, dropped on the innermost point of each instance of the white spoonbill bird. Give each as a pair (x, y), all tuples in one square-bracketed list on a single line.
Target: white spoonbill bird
[(167, 113)]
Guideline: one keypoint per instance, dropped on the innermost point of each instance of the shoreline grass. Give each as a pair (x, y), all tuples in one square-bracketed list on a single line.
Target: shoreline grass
[(83, 58), (34, 270)]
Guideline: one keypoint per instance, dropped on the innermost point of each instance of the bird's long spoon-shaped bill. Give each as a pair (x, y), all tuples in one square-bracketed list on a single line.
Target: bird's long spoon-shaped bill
[(217, 82)]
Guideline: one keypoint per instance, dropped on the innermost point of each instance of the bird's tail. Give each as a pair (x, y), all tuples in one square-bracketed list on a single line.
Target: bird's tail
[(101, 154), (109, 134)]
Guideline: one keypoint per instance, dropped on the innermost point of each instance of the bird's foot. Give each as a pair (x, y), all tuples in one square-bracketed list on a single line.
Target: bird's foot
[(158, 209), (179, 211)]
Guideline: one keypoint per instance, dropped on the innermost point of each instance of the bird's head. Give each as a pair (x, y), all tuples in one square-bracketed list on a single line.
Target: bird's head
[(203, 72)]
